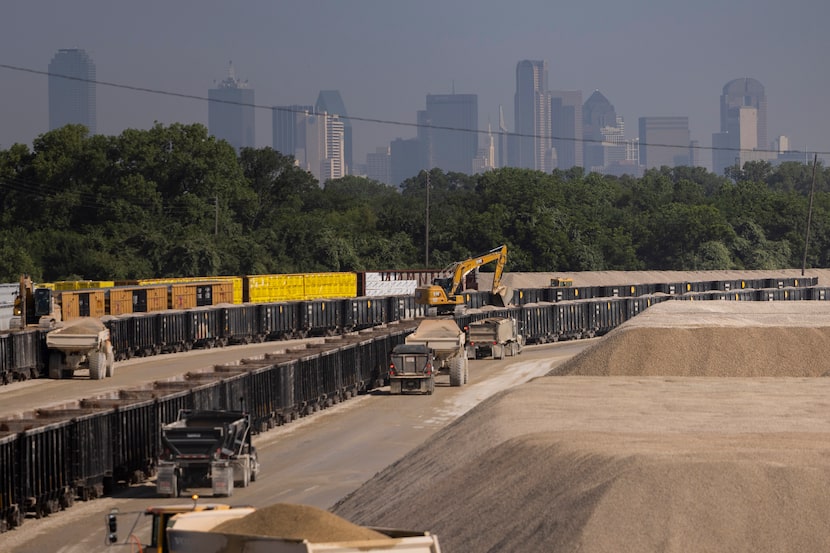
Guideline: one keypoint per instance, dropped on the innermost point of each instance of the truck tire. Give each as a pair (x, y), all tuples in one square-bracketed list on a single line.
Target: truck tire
[(110, 362), (466, 371), (97, 365), (457, 370), (498, 351), (55, 362)]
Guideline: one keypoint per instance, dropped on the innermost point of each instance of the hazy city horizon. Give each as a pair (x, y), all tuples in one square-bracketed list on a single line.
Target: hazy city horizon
[(648, 62)]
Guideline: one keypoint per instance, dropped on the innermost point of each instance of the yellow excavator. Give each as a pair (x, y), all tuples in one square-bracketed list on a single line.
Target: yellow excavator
[(446, 293)]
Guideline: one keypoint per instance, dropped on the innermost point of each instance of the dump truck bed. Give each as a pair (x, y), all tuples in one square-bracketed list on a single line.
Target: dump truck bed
[(441, 335), (84, 334)]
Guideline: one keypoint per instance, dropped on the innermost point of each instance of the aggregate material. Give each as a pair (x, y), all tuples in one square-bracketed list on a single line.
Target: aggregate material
[(696, 426), (297, 522)]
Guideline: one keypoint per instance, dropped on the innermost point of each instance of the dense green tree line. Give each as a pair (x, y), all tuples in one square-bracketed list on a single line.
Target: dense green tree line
[(174, 201)]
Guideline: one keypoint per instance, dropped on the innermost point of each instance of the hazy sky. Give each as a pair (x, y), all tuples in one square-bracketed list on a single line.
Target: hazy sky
[(649, 58)]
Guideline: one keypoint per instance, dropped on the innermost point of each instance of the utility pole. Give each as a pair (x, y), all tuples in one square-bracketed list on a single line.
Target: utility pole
[(426, 238), (809, 216)]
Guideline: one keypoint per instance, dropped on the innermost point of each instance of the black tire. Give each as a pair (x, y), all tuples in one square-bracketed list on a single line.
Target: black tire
[(55, 362), (457, 370)]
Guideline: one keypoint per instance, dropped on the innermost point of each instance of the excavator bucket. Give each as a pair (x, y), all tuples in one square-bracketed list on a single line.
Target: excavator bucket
[(502, 296)]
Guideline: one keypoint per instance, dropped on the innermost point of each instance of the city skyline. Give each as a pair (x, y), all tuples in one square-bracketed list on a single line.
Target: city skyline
[(384, 69)]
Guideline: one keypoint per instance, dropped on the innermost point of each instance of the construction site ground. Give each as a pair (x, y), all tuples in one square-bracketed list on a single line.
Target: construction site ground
[(696, 426)]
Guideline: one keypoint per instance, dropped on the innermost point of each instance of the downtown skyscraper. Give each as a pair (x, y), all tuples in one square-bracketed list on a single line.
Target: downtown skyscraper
[(330, 101), (72, 96), (231, 112), (743, 125), (665, 141), (530, 144), (448, 149), (566, 127)]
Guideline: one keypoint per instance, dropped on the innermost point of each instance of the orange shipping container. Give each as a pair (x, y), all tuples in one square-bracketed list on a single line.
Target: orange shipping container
[(137, 299), (85, 303), (198, 294)]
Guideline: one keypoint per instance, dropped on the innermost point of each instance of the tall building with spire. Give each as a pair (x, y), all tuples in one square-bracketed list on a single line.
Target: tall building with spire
[(530, 147), (330, 101), (231, 111), (743, 125), (72, 97)]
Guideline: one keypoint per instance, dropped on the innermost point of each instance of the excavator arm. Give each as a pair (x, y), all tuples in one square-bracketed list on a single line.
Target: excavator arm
[(446, 293)]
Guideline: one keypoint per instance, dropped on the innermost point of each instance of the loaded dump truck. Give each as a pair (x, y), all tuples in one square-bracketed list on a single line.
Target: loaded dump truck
[(288, 528), (411, 369), (445, 340), (206, 446), (494, 337), (80, 344)]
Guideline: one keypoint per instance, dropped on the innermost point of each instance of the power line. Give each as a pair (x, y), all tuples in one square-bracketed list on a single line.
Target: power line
[(371, 119)]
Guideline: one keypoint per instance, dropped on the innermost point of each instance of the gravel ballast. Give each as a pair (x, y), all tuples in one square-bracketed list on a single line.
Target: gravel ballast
[(696, 426)]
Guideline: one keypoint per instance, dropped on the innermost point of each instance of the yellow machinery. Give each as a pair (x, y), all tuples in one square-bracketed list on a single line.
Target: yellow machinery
[(160, 516), (446, 294)]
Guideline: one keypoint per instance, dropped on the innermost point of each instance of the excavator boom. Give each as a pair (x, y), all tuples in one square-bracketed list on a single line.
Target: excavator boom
[(447, 293)]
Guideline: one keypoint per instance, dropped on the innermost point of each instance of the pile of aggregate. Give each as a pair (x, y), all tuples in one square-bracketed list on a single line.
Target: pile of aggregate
[(637, 448), (297, 522)]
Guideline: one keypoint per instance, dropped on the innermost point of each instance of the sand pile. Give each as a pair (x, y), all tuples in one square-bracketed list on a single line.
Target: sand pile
[(633, 463), (297, 522), (714, 338)]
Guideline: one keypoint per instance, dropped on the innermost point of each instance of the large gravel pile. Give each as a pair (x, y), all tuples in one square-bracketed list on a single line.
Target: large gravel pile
[(679, 461)]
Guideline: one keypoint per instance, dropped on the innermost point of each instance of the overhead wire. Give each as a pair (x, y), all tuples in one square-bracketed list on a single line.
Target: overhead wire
[(374, 119)]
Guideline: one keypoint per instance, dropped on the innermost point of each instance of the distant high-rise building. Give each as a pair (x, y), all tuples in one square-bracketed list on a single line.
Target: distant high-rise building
[(530, 147), (743, 125), (451, 150), (408, 158), (379, 166), (486, 158), (321, 152), (287, 128), (231, 112), (566, 127), (503, 139), (72, 90), (597, 114), (664, 141), (331, 102)]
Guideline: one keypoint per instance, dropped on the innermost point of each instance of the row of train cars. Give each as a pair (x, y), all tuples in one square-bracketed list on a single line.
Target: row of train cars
[(50, 458)]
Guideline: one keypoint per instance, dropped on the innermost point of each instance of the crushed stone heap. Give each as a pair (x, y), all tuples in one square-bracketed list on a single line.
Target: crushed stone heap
[(667, 455)]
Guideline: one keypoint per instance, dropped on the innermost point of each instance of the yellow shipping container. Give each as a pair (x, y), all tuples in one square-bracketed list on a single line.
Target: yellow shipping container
[(271, 288), (329, 285)]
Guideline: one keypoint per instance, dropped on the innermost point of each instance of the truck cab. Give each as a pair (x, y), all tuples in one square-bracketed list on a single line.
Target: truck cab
[(411, 369)]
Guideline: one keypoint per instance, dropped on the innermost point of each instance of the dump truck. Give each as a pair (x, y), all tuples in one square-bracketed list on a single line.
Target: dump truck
[(411, 369), (287, 528), (445, 340), (148, 529), (206, 448), (80, 344), (493, 337)]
